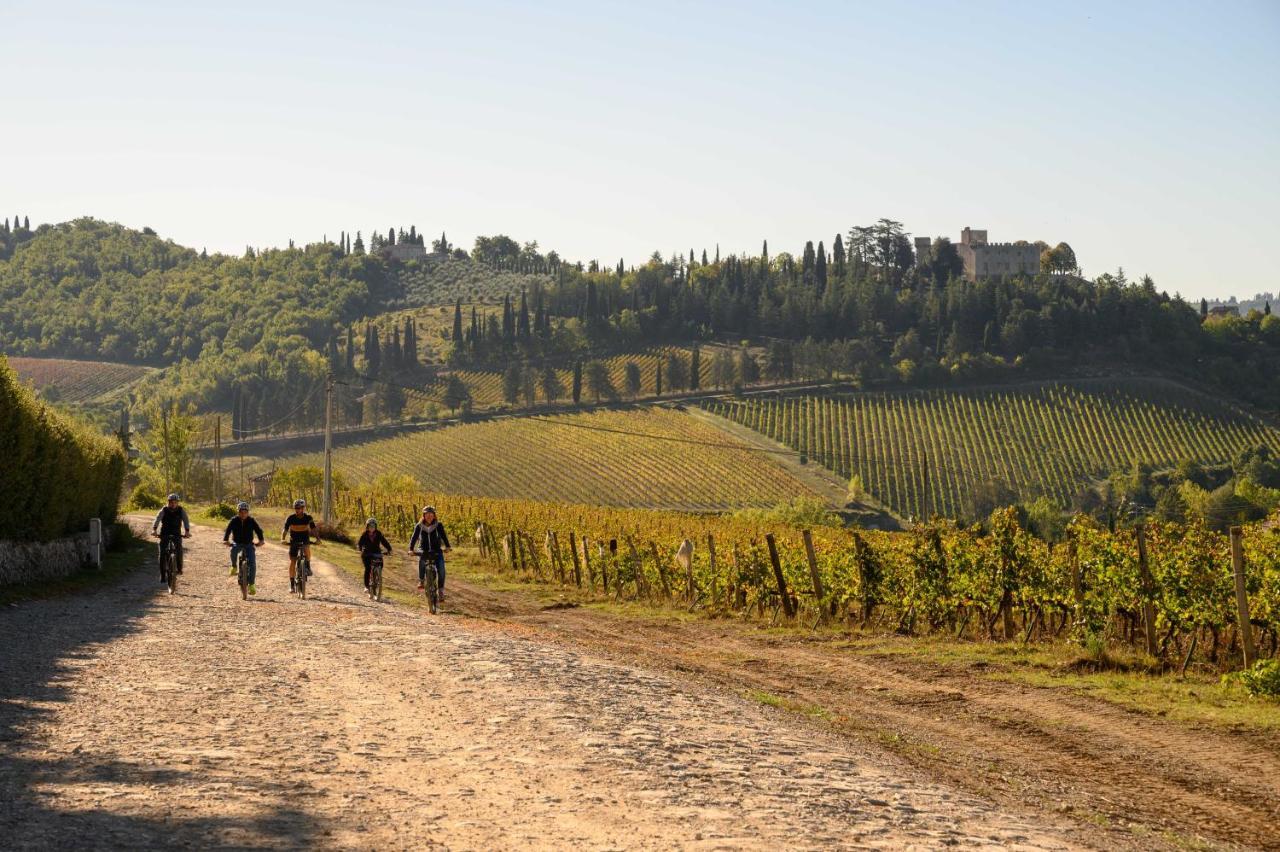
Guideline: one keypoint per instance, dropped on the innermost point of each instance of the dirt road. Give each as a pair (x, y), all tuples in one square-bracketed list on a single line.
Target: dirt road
[(132, 719)]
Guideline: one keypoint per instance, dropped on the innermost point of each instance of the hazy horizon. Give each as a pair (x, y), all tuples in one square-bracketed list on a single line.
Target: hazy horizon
[(1145, 137)]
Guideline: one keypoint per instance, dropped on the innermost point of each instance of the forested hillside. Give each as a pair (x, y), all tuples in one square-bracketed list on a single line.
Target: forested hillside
[(255, 334)]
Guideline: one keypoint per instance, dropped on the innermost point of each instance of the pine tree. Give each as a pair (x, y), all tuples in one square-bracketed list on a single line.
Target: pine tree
[(456, 337)]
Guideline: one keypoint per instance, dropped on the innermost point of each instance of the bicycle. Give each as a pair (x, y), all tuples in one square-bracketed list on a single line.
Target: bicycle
[(242, 570), (169, 564), (302, 569), (375, 577), (430, 582)]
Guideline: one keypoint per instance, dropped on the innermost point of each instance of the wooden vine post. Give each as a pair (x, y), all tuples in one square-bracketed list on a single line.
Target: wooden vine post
[(577, 565), (1242, 597), (711, 556), (778, 576), (1077, 583), (818, 595), (586, 557), (662, 573), (1148, 594)]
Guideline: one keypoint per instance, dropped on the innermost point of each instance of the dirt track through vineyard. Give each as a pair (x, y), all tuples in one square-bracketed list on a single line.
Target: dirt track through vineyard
[(132, 719)]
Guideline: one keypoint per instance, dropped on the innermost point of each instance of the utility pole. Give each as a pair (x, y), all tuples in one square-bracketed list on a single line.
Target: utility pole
[(164, 420), (327, 504), (217, 459)]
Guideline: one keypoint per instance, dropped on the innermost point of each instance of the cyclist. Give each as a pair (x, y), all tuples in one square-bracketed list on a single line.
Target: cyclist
[(435, 544), (371, 540), (171, 523), (242, 529), (298, 529)]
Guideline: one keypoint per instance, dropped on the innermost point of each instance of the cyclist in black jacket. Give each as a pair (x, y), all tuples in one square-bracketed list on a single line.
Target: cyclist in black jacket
[(242, 529), (172, 523), (371, 541)]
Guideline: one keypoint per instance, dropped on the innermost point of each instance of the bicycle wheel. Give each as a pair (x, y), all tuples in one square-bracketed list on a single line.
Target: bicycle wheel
[(376, 585), (242, 568), (433, 590), (171, 573), (301, 571)]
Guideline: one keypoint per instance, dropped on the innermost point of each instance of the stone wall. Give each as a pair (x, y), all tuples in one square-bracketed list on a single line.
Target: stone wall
[(26, 562)]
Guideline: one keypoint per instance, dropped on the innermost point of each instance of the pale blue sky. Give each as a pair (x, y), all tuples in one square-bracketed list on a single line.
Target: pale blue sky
[(1147, 136)]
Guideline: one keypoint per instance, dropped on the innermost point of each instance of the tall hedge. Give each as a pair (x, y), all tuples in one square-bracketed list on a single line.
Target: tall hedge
[(55, 473)]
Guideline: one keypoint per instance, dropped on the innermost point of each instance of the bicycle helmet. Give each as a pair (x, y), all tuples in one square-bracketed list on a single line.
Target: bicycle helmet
[(372, 522), (242, 506), (299, 504), (431, 509), (173, 498)]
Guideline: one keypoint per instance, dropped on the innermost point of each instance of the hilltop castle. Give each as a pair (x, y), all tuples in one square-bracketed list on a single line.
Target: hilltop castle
[(989, 260)]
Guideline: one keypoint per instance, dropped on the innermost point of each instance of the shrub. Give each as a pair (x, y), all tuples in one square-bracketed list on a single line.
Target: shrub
[(142, 498), (221, 511), (334, 532), (1261, 681)]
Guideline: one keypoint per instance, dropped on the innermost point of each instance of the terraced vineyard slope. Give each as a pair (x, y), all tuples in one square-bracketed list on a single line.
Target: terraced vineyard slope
[(926, 452), (596, 458), (76, 382)]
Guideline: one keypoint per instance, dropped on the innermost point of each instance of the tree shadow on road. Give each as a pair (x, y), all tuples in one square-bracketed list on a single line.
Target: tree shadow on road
[(44, 647)]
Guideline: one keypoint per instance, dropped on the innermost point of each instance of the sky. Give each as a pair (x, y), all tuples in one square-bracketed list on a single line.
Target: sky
[(1146, 135)]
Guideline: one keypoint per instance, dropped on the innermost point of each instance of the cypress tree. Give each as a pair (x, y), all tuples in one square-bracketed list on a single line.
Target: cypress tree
[(657, 379), (26, 223), (457, 322), (372, 351), (695, 367), (837, 253), (351, 350), (410, 352), (475, 329), (704, 257), (621, 269), (820, 267), (577, 382), (764, 253), (508, 320), (717, 252), (391, 237), (808, 260), (522, 327)]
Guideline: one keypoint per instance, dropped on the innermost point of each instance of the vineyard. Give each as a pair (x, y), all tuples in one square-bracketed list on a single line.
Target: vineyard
[(76, 382), (1164, 588), (924, 452), (639, 457)]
